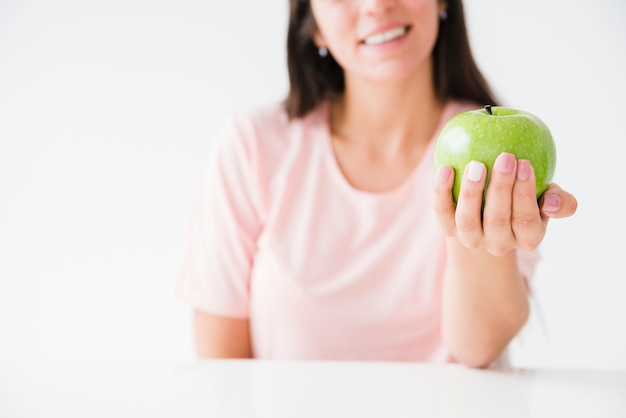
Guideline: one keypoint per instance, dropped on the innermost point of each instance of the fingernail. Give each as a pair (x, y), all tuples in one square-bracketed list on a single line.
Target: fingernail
[(444, 173), (475, 170), (505, 163), (551, 203), (523, 169)]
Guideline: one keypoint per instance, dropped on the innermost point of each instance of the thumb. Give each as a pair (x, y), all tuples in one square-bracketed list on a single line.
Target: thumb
[(557, 203)]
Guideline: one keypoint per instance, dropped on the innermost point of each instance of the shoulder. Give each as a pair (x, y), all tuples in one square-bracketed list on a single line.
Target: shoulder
[(270, 118), (264, 147), (265, 129), (248, 124), (454, 107), (272, 121)]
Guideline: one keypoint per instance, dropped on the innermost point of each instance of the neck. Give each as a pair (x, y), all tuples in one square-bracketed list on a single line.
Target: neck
[(390, 116)]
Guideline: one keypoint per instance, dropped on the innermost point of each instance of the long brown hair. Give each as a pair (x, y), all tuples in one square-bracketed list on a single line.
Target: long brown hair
[(313, 79)]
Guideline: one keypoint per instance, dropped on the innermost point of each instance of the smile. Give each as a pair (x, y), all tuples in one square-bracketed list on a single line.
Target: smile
[(387, 36)]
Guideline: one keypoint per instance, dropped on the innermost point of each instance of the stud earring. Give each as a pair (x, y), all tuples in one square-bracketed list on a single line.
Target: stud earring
[(323, 52), (443, 15)]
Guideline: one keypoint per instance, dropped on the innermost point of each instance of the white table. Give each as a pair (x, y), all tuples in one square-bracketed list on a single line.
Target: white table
[(253, 388)]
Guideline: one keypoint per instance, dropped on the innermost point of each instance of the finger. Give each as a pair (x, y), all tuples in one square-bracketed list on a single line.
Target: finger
[(528, 226), (497, 213), (444, 204), (468, 219), (557, 203)]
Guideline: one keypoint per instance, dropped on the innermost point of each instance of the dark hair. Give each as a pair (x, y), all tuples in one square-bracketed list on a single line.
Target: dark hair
[(313, 78)]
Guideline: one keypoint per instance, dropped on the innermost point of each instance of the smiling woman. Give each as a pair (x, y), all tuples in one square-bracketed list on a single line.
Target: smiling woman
[(108, 111), (322, 230), (377, 48), (454, 72)]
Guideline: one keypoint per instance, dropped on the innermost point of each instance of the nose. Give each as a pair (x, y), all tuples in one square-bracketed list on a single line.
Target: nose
[(377, 6)]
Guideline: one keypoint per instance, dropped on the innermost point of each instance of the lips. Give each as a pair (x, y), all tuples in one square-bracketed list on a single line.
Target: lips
[(388, 35)]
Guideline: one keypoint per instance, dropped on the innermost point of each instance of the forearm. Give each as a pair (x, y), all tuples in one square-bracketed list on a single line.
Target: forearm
[(485, 303), (221, 337)]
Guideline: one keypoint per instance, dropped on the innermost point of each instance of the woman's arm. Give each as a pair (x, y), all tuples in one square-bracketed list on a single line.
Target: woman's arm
[(221, 337), (485, 301), (485, 304)]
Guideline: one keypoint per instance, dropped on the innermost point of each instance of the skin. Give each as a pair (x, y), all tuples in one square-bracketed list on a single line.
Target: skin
[(220, 337), (381, 127)]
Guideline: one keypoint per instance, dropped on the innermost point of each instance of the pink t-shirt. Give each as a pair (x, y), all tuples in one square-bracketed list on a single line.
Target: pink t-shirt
[(321, 269)]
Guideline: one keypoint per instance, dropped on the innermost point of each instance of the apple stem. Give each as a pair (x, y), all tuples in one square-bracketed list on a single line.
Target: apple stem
[(488, 109)]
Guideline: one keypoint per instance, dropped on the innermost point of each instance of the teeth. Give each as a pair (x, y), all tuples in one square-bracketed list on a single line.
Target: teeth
[(379, 38)]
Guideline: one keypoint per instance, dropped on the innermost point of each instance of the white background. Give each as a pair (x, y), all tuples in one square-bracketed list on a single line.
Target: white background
[(107, 110)]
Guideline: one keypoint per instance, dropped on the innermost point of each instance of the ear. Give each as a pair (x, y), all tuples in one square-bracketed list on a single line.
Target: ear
[(318, 39), (443, 6)]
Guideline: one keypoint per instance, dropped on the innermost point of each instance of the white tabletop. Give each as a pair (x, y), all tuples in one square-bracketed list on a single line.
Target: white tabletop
[(253, 388)]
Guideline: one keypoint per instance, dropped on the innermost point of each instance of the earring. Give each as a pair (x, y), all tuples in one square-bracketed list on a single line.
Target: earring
[(443, 15), (323, 52)]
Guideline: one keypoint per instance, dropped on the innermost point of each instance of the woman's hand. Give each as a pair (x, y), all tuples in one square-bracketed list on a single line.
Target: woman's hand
[(485, 296), (511, 218)]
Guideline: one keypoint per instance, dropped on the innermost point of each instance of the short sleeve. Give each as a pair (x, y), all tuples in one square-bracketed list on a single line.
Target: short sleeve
[(223, 228)]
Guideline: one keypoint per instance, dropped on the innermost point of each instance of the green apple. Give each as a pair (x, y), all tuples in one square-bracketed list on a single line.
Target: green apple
[(483, 134)]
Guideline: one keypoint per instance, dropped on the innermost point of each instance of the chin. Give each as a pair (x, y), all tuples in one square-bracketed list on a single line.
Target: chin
[(395, 70), (390, 74)]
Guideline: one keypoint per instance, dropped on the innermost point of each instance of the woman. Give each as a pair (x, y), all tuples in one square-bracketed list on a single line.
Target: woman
[(322, 230)]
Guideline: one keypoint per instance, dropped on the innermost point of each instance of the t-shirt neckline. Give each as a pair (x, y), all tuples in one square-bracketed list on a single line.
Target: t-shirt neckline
[(399, 189)]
